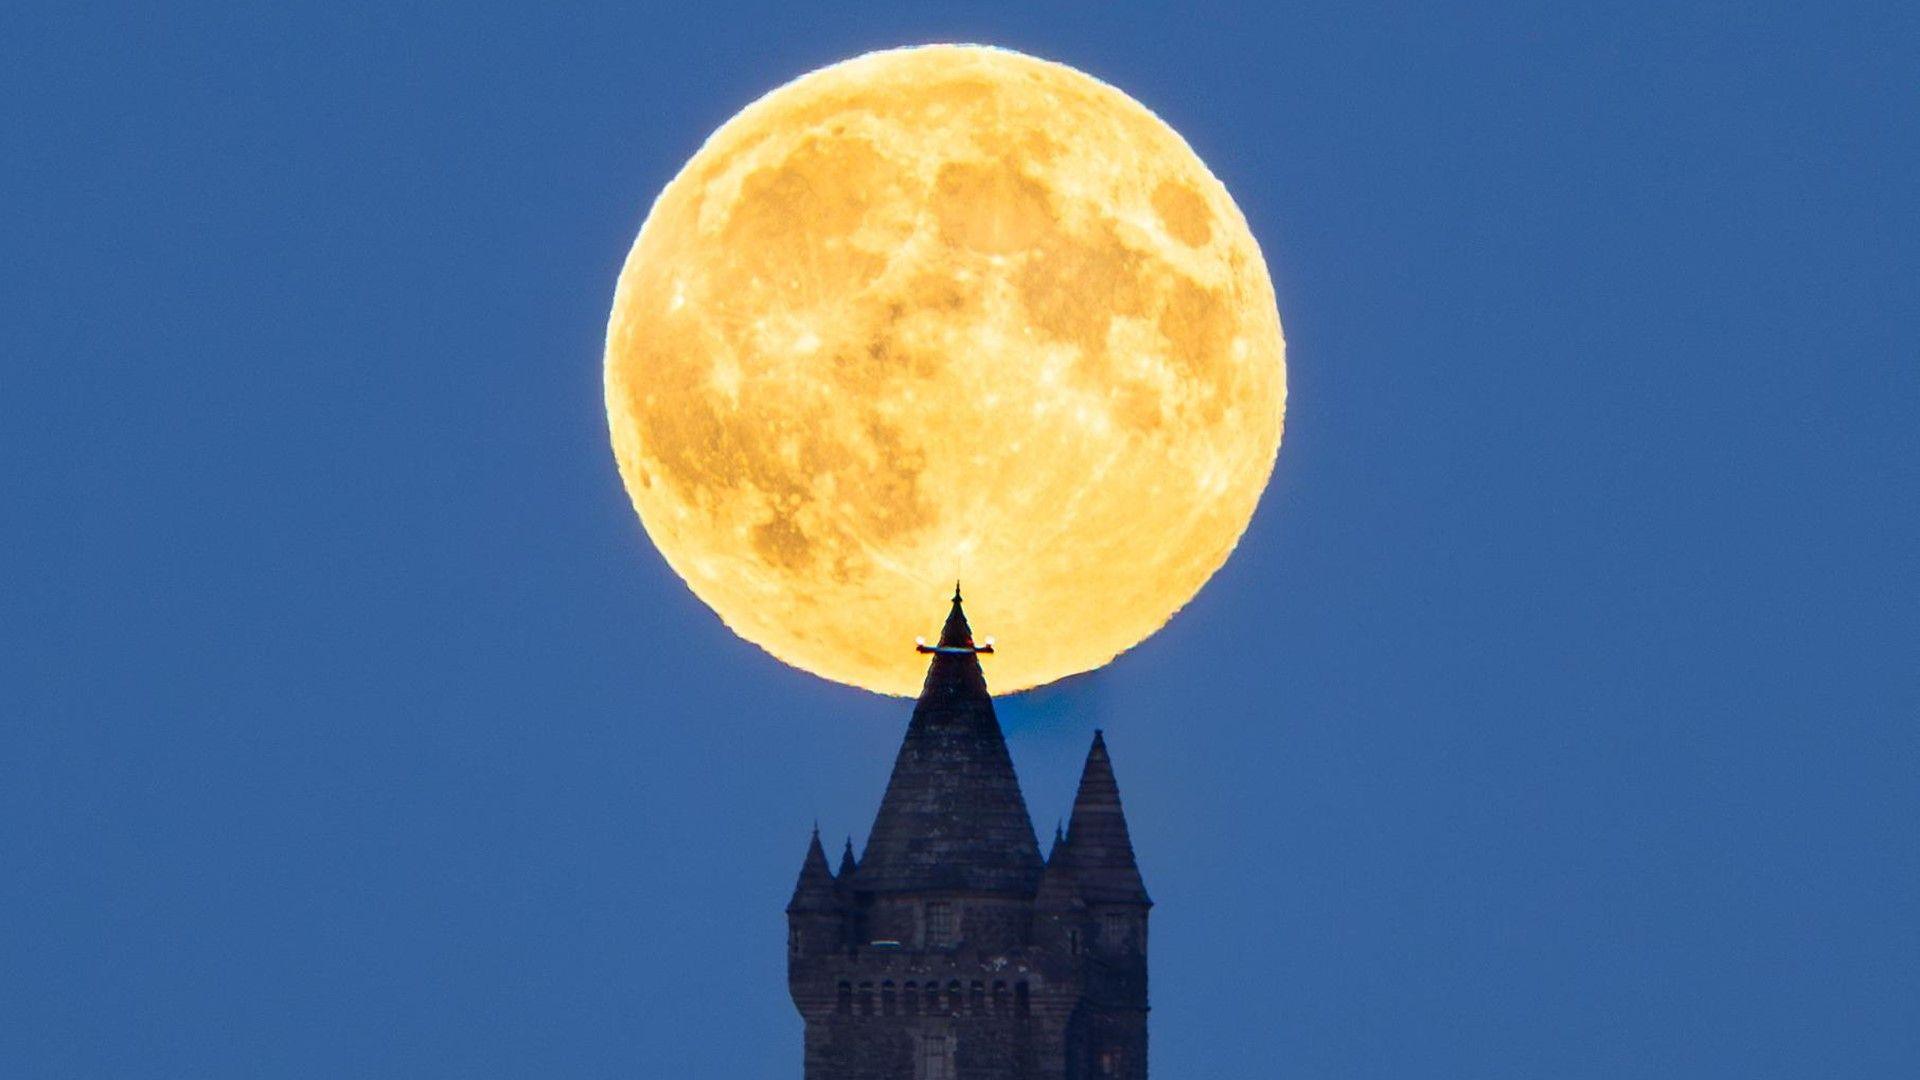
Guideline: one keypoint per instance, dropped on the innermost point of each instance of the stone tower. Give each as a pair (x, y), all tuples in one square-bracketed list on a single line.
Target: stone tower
[(951, 950)]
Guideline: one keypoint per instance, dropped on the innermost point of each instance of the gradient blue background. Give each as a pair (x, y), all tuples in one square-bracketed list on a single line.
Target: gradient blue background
[(1556, 718)]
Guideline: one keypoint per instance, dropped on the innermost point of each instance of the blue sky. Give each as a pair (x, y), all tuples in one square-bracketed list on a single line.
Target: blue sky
[(1556, 717)]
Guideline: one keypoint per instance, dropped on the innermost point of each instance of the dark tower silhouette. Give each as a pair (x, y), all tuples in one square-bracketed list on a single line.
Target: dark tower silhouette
[(950, 950)]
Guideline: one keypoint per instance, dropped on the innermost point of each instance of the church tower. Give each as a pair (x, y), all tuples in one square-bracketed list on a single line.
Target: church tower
[(951, 950)]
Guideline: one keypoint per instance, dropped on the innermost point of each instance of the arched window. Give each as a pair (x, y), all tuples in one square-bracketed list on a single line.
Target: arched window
[(1116, 931), (1073, 942), (887, 1000), (844, 1005), (999, 996), (866, 999), (978, 999), (933, 997), (910, 998), (1022, 1002), (955, 1002)]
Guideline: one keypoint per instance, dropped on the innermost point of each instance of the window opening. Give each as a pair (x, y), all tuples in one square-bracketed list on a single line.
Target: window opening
[(936, 1058), (940, 928)]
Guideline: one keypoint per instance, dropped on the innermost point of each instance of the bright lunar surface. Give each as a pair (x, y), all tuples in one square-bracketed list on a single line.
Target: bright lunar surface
[(945, 313)]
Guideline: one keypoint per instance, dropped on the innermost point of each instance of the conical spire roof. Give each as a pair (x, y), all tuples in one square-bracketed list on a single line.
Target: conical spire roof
[(815, 889), (1099, 849), (953, 816), (847, 865)]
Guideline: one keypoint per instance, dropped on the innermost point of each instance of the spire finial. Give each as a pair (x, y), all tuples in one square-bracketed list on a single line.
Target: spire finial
[(956, 637)]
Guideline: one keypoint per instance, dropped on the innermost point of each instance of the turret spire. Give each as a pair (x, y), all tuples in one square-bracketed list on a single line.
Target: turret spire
[(1098, 843), (814, 891), (953, 815), (1059, 890)]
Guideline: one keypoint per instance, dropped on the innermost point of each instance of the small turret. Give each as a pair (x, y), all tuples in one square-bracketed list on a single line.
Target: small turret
[(814, 892), (816, 916), (1059, 890), (1097, 837)]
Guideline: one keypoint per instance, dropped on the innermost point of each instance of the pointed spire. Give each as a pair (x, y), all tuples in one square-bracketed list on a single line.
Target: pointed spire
[(953, 815), (1059, 889), (956, 633), (847, 863), (814, 891), (1098, 844)]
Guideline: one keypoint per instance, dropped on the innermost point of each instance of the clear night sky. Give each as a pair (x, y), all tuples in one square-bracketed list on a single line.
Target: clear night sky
[(1555, 719)]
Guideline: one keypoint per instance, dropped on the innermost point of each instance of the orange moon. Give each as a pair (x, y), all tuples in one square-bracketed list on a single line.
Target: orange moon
[(944, 313)]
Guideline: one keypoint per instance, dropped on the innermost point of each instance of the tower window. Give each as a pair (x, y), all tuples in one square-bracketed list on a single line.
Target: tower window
[(940, 928), (844, 1003), (936, 1058), (1110, 1062), (1117, 929), (793, 941), (887, 999), (1022, 1002)]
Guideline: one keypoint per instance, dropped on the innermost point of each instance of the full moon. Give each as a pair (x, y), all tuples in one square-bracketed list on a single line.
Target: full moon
[(937, 314)]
